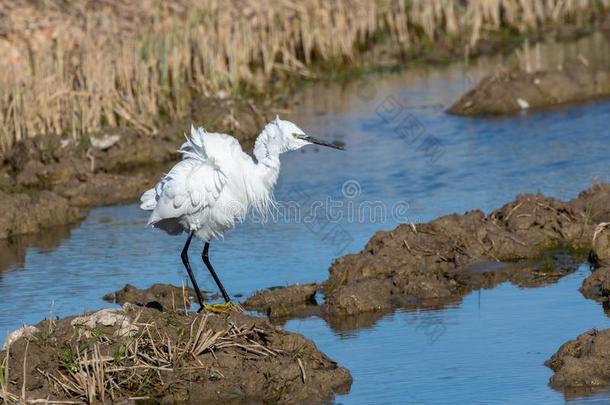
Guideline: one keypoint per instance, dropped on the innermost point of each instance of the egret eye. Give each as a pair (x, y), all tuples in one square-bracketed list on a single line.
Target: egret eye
[(295, 135)]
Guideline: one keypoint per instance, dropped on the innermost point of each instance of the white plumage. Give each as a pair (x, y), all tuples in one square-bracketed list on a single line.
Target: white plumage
[(216, 184)]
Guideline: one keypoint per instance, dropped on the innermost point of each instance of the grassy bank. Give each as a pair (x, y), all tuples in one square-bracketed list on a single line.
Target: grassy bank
[(75, 67)]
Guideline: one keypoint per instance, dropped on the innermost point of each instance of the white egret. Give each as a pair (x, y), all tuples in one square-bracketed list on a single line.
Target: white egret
[(216, 183)]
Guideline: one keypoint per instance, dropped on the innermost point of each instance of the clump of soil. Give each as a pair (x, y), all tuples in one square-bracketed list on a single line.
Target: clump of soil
[(418, 262), (531, 241), (32, 212), (167, 357), (581, 365), (510, 92), (284, 302), (597, 285), (600, 250), (163, 297)]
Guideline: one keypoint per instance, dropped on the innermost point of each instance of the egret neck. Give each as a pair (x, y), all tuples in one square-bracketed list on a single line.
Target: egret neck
[(267, 149)]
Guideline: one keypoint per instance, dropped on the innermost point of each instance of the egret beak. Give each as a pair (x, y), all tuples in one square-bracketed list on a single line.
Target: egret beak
[(311, 139)]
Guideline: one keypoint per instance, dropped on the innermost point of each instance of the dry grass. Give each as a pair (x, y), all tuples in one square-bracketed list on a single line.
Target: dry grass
[(75, 67), (5, 394), (144, 361)]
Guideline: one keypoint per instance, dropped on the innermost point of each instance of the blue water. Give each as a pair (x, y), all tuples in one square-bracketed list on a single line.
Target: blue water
[(406, 161)]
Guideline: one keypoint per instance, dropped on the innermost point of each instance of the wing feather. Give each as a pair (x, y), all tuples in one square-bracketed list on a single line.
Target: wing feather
[(192, 185)]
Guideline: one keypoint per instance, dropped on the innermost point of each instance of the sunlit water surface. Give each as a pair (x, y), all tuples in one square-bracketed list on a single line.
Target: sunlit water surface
[(488, 349)]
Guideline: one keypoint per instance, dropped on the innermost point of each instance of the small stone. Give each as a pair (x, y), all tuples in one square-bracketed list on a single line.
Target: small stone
[(107, 317), (104, 142)]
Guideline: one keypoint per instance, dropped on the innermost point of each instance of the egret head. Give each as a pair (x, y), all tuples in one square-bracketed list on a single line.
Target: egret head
[(294, 138)]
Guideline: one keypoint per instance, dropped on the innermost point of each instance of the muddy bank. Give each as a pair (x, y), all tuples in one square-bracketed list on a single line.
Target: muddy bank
[(163, 297), (57, 179), (33, 212), (531, 241), (137, 351), (597, 285), (511, 92), (581, 365), (282, 303)]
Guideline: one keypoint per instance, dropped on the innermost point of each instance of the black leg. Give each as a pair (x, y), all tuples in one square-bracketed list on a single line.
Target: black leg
[(185, 261), (207, 263)]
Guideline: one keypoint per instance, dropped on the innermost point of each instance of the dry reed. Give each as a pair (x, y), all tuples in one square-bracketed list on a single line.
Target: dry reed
[(143, 361), (71, 68)]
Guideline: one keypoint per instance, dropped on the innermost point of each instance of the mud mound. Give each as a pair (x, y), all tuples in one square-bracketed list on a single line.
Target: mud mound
[(116, 354), (416, 263), (33, 212), (283, 302), (597, 285), (594, 202), (582, 365), (600, 251), (532, 241), (163, 297), (510, 92)]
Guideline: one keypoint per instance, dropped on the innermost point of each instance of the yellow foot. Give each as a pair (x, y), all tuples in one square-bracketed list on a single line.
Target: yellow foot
[(222, 308)]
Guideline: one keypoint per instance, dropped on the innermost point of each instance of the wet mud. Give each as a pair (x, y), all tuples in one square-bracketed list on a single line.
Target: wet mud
[(531, 241), (514, 91), (163, 297), (581, 365), (167, 357), (597, 285), (282, 303), (24, 213)]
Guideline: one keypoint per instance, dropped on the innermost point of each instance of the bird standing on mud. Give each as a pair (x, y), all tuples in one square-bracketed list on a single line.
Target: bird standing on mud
[(216, 183)]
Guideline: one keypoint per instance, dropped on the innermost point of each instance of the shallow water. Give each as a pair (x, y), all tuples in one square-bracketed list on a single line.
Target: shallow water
[(487, 349)]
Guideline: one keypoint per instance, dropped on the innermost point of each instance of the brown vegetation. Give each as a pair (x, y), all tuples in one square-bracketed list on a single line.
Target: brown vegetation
[(71, 68), (121, 355)]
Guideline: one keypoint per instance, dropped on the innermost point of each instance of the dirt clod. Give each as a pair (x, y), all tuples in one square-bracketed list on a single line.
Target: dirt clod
[(510, 92), (25, 213), (168, 357), (597, 285), (283, 302), (600, 250), (581, 365), (415, 264), (532, 241), (161, 296)]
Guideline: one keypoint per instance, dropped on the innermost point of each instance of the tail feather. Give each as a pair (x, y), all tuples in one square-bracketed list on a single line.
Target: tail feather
[(149, 200)]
